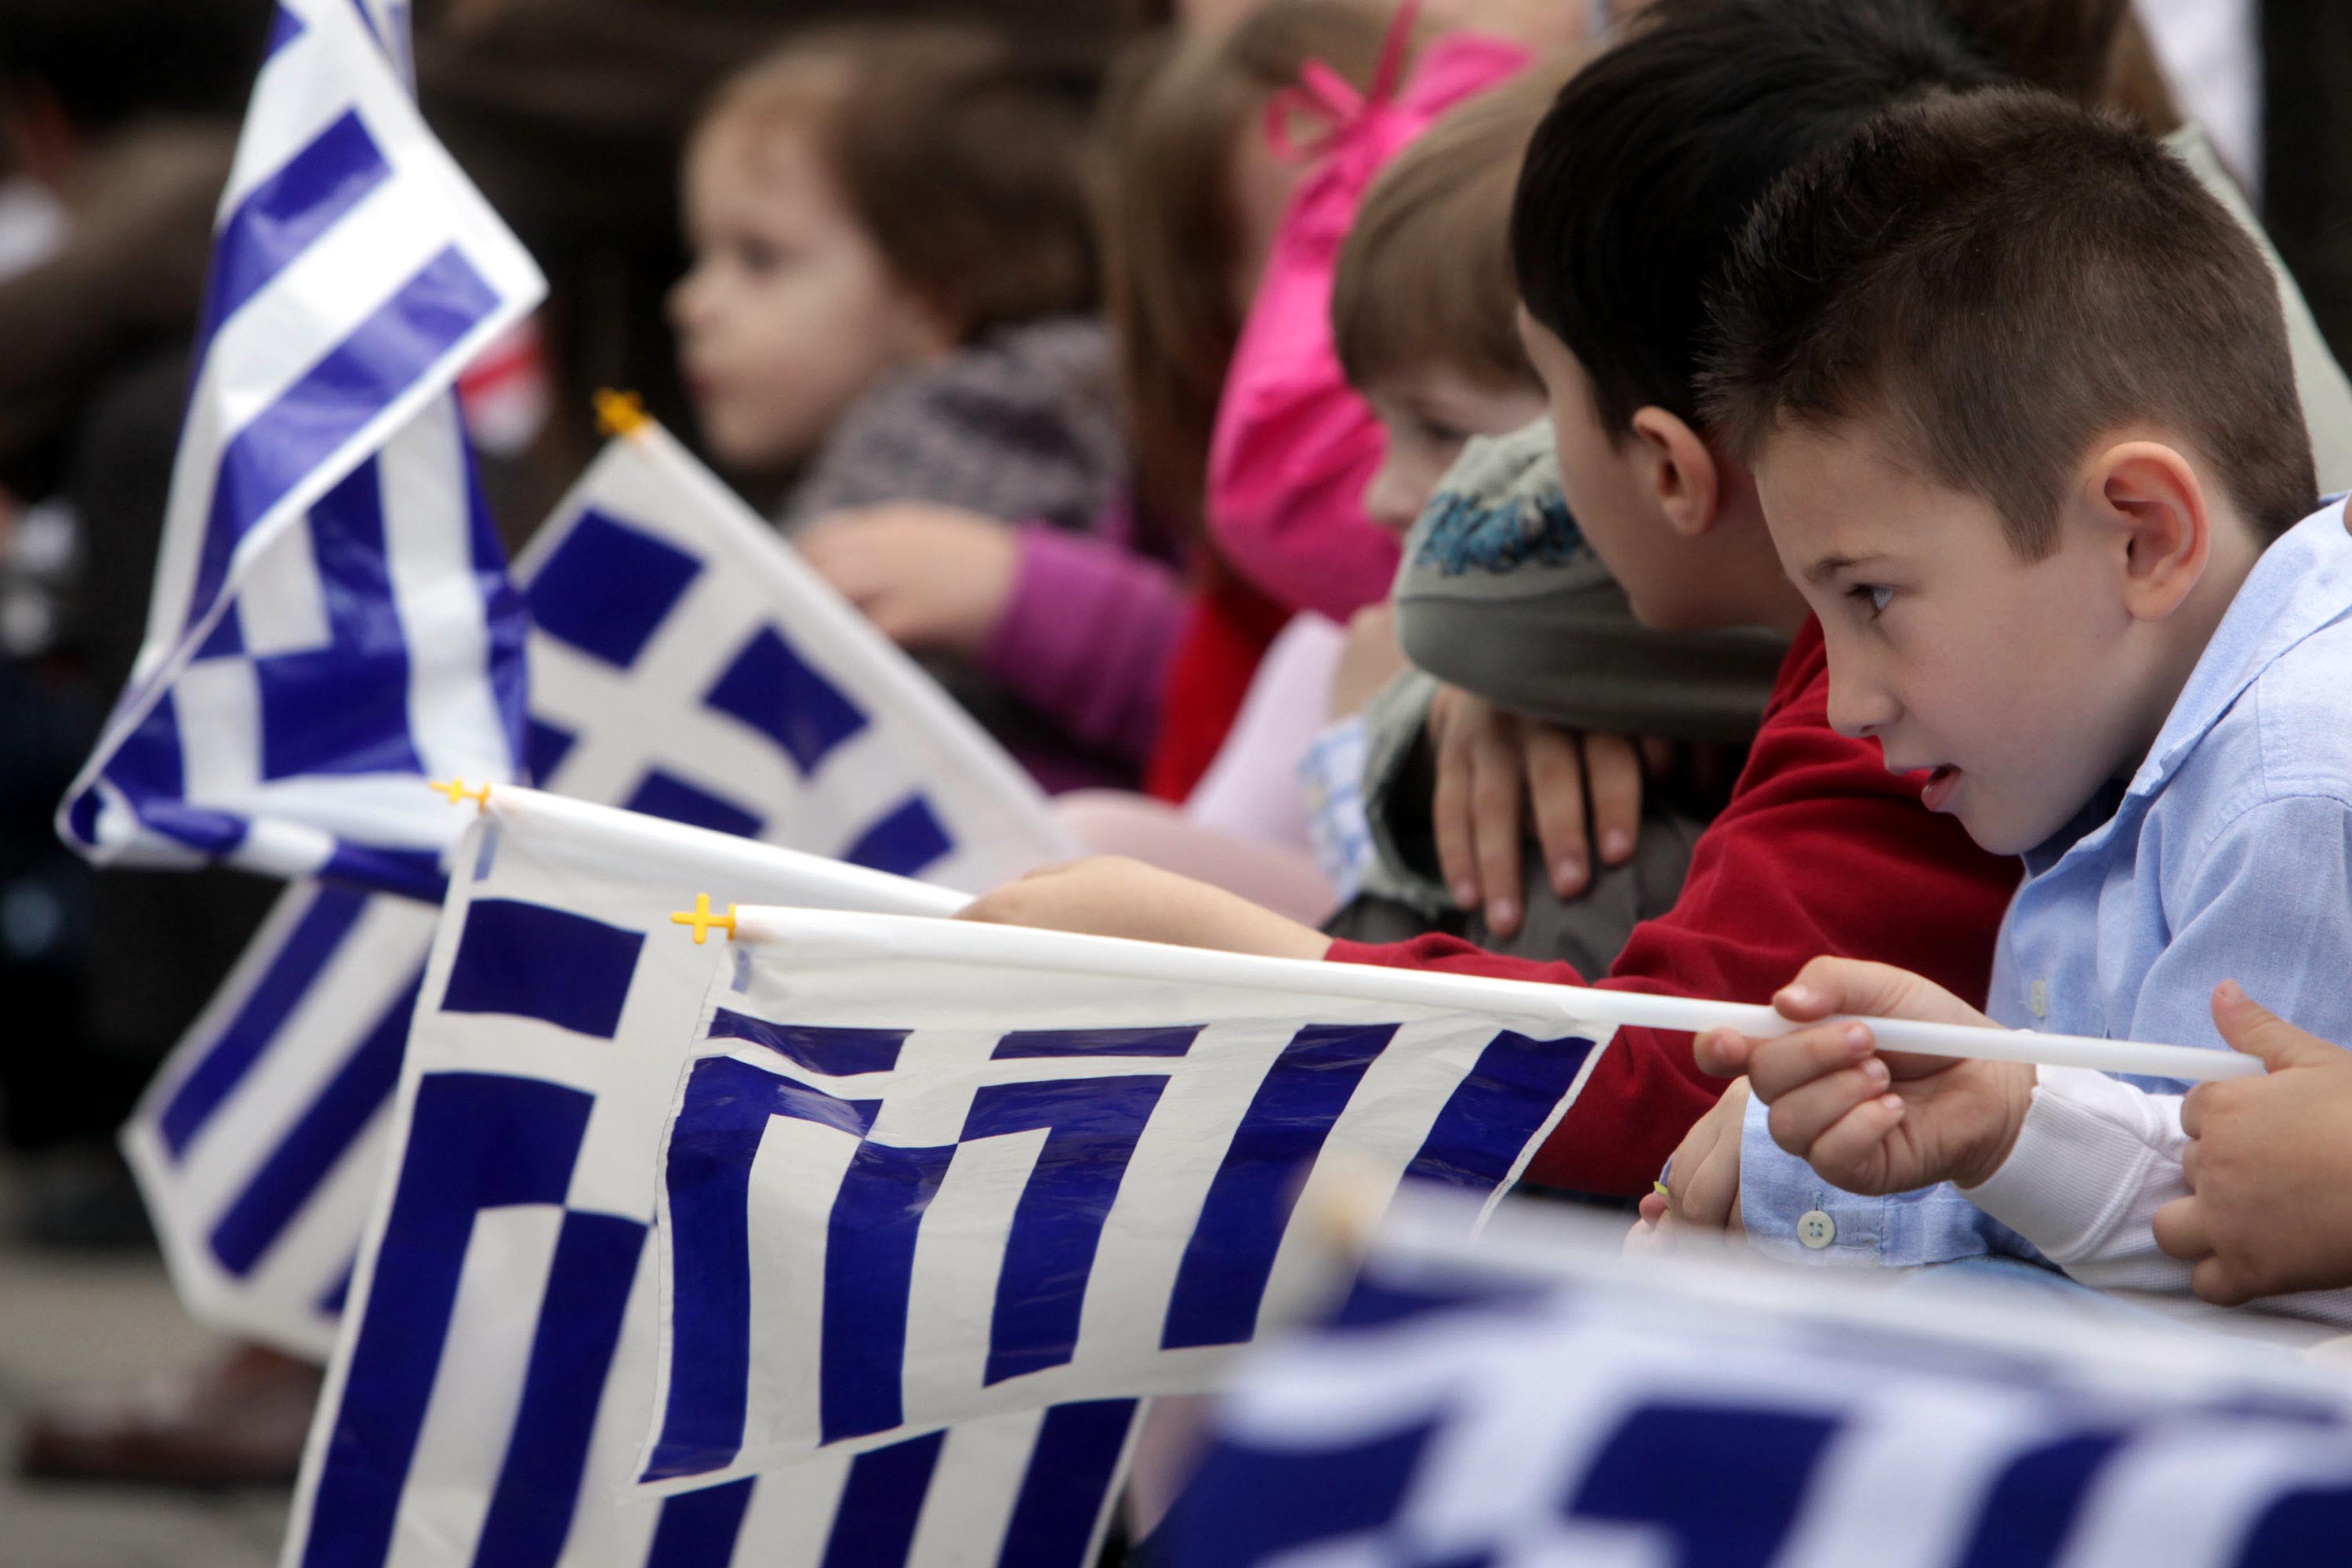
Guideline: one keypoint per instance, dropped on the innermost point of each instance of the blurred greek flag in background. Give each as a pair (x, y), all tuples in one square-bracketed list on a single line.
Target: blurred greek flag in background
[(332, 621), (685, 665), (1540, 1399)]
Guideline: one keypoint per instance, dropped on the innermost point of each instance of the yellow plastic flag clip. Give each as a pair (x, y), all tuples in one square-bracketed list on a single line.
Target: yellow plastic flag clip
[(621, 413), (702, 920), (456, 790)]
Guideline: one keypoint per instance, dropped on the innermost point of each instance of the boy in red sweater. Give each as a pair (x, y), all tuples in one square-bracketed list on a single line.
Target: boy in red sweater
[(1632, 189)]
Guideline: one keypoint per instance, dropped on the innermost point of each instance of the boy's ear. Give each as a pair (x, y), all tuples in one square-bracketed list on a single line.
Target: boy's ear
[(1680, 471), (2147, 497)]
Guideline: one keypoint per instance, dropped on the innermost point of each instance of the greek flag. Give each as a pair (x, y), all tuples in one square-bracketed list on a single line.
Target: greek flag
[(488, 1400), (1549, 1402), (923, 1172), (759, 700), (331, 619), (684, 666)]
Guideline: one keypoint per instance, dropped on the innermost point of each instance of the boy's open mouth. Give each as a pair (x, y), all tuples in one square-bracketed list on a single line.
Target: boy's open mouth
[(1938, 788)]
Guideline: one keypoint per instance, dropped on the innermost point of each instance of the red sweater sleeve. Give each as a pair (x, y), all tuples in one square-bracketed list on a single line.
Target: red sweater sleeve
[(1820, 850)]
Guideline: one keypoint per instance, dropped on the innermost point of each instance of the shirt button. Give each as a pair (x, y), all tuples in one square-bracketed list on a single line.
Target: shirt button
[(2037, 998), (1816, 1229)]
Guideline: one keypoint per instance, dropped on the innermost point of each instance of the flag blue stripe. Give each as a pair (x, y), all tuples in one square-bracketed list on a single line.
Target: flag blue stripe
[(580, 1317), (2031, 1507), (1252, 1505), (697, 1530), (1757, 1464), (1025, 1043), (869, 1264), (285, 214), (770, 688), (1230, 1256), (665, 794), (475, 1141), (283, 30), (832, 1052), (506, 619), (724, 1114), (2309, 1527), (1070, 1472), (1091, 1127), (608, 587), (311, 1149), (331, 1301), (881, 1503), (1492, 1113), (528, 960), (904, 843), (384, 355), (410, 873), (343, 709), (321, 929)]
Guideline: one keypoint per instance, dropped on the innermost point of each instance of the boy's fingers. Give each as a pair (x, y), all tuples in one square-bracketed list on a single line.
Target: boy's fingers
[(1779, 1065), (2181, 1230), (1613, 769), (1556, 791), (2216, 1280), (1851, 1152), (1723, 1053), (1799, 1118), (2254, 1029), (1495, 804), (1829, 985), (1457, 858)]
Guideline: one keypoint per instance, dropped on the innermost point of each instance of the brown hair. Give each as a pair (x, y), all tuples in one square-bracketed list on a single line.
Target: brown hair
[(2092, 51), (1996, 281), (1425, 276), (1170, 230), (968, 164)]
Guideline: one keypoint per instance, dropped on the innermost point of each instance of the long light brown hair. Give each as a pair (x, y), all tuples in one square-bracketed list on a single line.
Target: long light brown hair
[(1170, 231)]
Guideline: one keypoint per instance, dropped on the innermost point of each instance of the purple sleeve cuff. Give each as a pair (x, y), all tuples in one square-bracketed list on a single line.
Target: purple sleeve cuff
[(1088, 636)]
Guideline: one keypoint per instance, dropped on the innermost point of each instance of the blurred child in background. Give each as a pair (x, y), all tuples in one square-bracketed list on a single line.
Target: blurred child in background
[(895, 264)]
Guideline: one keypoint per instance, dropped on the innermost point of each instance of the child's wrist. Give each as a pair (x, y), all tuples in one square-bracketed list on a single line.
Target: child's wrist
[(2013, 1085)]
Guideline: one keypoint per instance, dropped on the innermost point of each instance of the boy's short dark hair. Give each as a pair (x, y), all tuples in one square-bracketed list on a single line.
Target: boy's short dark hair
[(1637, 181), (1995, 282)]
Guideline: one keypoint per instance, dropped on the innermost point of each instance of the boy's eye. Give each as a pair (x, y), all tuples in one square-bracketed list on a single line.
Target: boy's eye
[(1877, 598)]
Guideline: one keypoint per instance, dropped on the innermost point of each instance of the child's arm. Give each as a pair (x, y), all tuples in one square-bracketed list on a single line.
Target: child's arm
[(2251, 1181), (1109, 896), (1820, 850)]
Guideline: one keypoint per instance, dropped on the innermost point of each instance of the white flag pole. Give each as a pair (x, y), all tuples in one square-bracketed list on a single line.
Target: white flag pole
[(1144, 961)]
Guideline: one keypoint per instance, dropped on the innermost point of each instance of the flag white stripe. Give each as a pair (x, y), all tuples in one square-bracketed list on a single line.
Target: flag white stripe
[(452, 719)]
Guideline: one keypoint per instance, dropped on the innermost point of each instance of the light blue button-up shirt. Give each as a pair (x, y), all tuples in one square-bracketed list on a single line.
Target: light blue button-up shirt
[(2229, 857)]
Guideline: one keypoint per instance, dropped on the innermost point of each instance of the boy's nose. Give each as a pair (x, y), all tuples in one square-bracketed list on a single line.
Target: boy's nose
[(1389, 500), (1861, 709)]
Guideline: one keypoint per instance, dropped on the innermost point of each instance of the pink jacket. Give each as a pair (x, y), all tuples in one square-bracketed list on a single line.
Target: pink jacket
[(1293, 446)]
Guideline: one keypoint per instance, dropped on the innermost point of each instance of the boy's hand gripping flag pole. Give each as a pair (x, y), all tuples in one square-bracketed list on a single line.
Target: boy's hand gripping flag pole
[(331, 619)]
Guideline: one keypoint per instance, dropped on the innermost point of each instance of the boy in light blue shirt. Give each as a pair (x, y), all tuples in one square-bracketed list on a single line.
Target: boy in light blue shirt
[(2018, 400)]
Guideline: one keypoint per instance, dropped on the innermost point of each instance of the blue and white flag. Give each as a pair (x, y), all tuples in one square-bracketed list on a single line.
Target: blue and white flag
[(488, 1400), (331, 620), (259, 1145), (758, 700), (925, 1171), (1559, 1404), (685, 666)]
